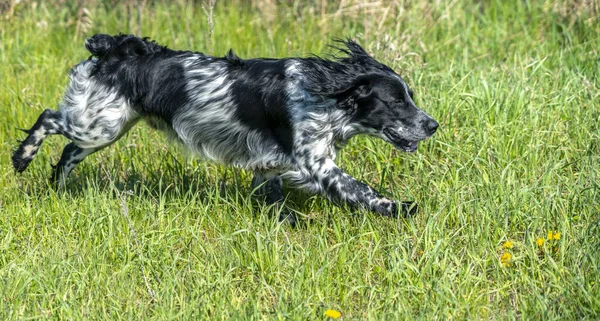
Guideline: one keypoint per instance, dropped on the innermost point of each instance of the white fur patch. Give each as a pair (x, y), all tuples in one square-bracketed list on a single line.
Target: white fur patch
[(94, 114)]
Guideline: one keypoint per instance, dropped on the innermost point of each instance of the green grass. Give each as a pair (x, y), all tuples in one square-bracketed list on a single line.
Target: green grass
[(144, 232)]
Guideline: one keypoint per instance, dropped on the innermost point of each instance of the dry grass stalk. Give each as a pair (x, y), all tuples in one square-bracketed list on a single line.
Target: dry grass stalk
[(209, 17)]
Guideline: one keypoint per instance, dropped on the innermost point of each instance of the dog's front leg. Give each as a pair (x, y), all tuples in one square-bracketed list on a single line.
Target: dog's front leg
[(342, 188), (270, 189)]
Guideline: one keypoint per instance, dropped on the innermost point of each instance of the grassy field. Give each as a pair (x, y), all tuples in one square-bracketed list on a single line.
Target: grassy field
[(144, 232)]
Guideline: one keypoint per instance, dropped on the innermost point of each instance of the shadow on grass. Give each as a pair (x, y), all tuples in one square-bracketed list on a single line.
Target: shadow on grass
[(172, 184)]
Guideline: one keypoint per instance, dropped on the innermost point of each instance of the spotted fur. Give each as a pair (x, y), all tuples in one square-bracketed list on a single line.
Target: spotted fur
[(283, 119)]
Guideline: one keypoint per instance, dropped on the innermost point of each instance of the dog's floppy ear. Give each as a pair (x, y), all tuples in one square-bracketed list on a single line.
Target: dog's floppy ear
[(350, 95)]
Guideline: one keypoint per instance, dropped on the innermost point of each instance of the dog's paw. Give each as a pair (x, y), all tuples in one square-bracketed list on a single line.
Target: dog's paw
[(19, 162), (408, 208), (385, 207), (287, 217)]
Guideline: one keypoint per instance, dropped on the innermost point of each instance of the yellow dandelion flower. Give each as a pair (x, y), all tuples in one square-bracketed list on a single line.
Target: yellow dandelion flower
[(508, 245), (334, 314), (550, 235), (556, 236), (540, 241), (505, 259)]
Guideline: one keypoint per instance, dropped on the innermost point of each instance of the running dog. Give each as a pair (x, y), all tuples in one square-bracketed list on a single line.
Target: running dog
[(283, 119)]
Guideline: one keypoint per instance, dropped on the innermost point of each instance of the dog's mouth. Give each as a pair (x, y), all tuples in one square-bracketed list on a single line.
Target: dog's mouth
[(400, 143)]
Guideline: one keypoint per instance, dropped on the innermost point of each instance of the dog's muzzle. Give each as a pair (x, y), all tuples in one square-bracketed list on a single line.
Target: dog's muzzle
[(399, 142)]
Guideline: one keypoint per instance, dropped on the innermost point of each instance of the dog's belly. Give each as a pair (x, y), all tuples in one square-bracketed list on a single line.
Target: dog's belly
[(263, 157), (231, 143)]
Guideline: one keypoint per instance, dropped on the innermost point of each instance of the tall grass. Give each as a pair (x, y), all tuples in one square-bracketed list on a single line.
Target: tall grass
[(144, 232)]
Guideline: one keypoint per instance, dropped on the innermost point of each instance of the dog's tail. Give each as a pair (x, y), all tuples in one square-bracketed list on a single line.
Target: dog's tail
[(121, 46)]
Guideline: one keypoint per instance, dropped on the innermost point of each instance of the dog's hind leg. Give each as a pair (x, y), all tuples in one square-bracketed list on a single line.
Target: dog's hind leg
[(93, 138), (92, 115), (71, 156), (48, 123), (85, 145), (96, 117)]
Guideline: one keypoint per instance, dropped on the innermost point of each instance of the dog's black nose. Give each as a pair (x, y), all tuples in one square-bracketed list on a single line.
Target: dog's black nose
[(431, 126)]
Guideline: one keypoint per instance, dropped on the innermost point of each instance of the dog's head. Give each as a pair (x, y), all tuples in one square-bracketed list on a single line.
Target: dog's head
[(380, 103)]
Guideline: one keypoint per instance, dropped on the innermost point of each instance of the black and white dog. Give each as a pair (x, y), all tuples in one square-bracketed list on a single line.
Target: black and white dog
[(280, 118)]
